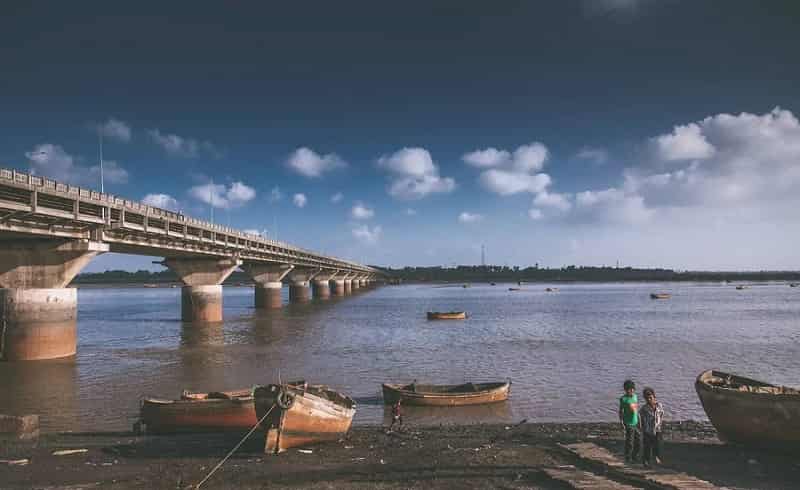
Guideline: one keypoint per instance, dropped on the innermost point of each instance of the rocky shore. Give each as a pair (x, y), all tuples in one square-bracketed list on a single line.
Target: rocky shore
[(452, 456)]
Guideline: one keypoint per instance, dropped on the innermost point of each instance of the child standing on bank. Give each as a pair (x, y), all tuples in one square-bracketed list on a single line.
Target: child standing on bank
[(397, 415), (651, 415), (629, 418)]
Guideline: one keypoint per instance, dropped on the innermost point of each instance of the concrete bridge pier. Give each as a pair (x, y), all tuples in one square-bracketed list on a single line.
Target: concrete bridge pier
[(201, 296), (337, 287), (38, 313), (356, 284), (268, 279), (348, 287), (299, 280), (321, 285)]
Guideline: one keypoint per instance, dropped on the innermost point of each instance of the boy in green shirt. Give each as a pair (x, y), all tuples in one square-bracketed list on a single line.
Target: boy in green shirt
[(629, 418)]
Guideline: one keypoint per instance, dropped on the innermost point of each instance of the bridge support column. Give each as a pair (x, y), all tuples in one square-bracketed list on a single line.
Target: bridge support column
[(299, 280), (268, 279), (38, 313), (348, 287), (356, 284), (321, 285), (337, 287), (201, 296)]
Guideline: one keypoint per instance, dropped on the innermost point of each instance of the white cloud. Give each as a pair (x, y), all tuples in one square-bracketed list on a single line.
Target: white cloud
[(163, 201), (275, 194), (360, 211), (530, 158), (506, 182), (411, 212), (337, 197), (178, 146), (535, 214), (466, 217), (308, 163), (684, 143), (52, 161), (300, 200), (490, 157), (116, 130), (416, 175), (367, 235), (235, 195), (598, 156), (611, 206), (552, 200)]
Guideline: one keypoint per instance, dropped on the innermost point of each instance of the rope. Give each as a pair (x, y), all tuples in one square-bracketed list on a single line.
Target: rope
[(219, 465), (3, 337)]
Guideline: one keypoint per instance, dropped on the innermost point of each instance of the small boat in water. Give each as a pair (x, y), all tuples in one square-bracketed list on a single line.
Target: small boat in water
[(149, 285), (794, 285), (747, 411), (514, 289), (660, 296), (447, 315), (200, 412), (551, 290), (742, 287), (446, 395), (298, 414)]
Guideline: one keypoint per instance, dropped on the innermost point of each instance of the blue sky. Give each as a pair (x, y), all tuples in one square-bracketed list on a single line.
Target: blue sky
[(575, 132)]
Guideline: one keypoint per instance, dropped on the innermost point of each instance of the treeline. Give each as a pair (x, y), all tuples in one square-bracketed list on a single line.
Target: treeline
[(493, 273), (144, 277)]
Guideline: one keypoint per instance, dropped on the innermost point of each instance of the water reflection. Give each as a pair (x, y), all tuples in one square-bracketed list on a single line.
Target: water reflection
[(202, 334), (47, 388)]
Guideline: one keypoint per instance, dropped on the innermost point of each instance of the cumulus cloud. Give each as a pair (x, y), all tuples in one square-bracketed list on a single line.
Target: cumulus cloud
[(684, 143), (553, 200), (415, 175), (232, 196), (490, 157), (116, 130), (598, 156), (367, 235), (360, 211), (466, 217), (299, 200), (337, 197), (308, 163), (178, 146), (535, 214), (163, 201), (54, 162), (612, 206), (509, 173), (506, 183), (411, 212)]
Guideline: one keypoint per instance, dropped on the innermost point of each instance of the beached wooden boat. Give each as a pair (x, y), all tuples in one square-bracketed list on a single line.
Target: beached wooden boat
[(447, 315), (747, 411), (197, 412), (660, 296), (301, 414), (446, 395)]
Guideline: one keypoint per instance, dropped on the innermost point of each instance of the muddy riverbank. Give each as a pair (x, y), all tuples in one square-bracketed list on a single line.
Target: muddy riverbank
[(452, 456)]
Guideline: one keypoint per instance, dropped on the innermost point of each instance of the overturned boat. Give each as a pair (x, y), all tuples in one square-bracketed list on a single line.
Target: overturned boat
[(747, 411), (213, 411), (446, 395), (298, 414), (447, 315)]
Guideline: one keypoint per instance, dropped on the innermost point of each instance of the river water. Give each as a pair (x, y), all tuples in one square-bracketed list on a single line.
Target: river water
[(566, 352)]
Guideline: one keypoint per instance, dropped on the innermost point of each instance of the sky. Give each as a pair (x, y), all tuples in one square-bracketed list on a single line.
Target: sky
[(588, 132)]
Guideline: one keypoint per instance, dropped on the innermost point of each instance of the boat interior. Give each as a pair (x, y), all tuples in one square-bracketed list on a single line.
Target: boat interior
[(719, 379), (462, 388)]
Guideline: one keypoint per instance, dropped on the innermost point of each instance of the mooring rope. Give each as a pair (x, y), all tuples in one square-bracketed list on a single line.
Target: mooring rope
[(3, 336), (219, 465)]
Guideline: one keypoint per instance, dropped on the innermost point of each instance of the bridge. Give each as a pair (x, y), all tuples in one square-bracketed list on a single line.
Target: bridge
[(50, 230)]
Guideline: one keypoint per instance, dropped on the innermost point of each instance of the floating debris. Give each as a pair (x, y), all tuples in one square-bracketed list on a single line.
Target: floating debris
[(67, 452)]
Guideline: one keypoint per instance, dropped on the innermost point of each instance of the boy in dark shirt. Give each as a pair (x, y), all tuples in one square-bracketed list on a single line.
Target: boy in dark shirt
[(651, 416), (629, 418)]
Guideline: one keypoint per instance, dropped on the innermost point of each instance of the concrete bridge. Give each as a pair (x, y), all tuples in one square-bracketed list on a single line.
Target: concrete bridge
[(50, 230)]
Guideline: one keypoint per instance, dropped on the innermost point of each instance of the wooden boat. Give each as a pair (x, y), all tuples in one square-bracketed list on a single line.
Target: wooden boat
[(301, 414), (747, 411), (514, 289), (660, 296), (446, 395), (447, 315), (741, 287), (215, 411), (551, 290)]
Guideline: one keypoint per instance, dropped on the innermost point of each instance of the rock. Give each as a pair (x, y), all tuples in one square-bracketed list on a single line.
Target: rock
[(18, 434)]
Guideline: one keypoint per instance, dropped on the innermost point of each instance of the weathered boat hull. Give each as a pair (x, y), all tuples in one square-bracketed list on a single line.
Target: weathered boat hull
[(447, 315), (299, 415), (446, 395), (751, 412), (196, 413)]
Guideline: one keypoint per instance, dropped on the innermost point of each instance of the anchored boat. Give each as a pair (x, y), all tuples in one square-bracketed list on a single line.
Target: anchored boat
[(660, 296), (446, 395), (214, 411), (744, 410), (298, 414), (447, 315)]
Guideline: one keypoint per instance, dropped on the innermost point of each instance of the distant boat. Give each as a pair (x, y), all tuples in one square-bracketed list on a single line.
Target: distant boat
[(551, 290), (660, 296), (744, 410), (492, 284), (149, 285), (794, 285), (195, 412), (447, 315), (742, 287), (465, 285), (514, 289), (300, 414), (446, 395)]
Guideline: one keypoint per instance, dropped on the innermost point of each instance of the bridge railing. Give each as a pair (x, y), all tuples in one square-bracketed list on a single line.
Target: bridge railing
[(119, 207)]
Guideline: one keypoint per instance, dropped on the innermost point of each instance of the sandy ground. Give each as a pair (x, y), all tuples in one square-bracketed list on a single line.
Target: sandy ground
[(473, 456)]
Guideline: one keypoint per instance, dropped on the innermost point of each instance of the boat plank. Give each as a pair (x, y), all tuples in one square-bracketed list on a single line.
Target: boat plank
[(580, 479)]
